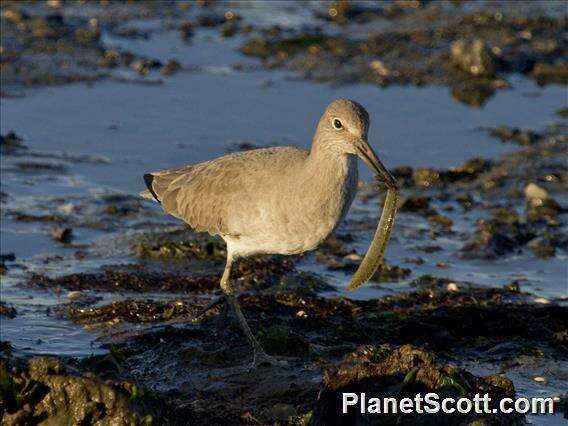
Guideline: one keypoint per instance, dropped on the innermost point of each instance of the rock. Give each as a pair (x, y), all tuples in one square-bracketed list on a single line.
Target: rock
[(110, 59), (415, 204), (453, 287), (171, 67), (229, 29), (501, 382), (428, 280), (542, 247), (7, 311), (522, 137), (87, 36), (543, 210), (201, 247), (440, 221), (281, 340), (465, 200), (560, 337), (64, 235), (562, 112), (405, 372), (540, 206), (130, 32), (341, 12), (473, 92), (55, 4), (35, 166), (403, 175), (8, 257), (336, 256), (10, 143), (67, 208), (186, 30), (503, 234), (80, 298), (513, 287), (131, 311), (24, 217), (379, 68), (210, 20), (144, 66), (535, 192), (429, 248), (15, 15), (44, 392), (287, 47), (74, 295), (410, 4), (466, 172), (426, 177), (473, 57), (545, 73), (390, 273)]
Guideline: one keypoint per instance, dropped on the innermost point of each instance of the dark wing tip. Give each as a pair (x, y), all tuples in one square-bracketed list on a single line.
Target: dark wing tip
[(148, 179)]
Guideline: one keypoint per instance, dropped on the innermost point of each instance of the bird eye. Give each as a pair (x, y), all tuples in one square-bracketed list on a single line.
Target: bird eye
[(337, 124)]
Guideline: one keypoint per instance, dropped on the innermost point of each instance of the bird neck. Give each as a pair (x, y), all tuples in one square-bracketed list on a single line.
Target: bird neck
[(326, 163), (329, 182)]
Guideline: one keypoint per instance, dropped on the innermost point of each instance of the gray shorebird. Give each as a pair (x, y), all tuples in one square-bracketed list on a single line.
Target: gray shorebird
[(282, 200)]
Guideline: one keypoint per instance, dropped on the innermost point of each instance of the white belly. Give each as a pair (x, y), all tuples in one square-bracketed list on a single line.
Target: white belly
[(277, 243)]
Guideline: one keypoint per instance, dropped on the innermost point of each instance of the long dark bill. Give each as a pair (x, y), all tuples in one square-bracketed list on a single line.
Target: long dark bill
[(376, 252), (367, 154)]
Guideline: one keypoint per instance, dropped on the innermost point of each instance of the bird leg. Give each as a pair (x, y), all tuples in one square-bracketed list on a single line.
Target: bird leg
[(260, 356), (210, 306)]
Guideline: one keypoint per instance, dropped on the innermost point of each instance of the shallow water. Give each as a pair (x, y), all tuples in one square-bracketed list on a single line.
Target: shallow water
[(198, 114)]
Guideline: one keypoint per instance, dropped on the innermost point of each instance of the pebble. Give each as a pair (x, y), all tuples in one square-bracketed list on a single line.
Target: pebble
[(379, 67), (535, 192), (354, 257), (67, 208), (64, 235), (453, 287), (74, 295), (474, 57)]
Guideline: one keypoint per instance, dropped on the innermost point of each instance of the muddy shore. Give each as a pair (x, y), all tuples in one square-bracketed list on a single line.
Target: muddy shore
[(144, 282), (330, 343)]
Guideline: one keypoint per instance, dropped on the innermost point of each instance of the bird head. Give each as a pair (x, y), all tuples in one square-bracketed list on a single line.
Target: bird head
[(343, 129)]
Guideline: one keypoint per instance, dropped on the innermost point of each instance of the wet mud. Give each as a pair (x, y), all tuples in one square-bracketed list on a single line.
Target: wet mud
[(44, 390), (471, 51), (398, 345), (516, 192)]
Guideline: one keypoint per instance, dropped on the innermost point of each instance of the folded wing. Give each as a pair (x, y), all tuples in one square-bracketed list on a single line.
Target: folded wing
[(203, 194)]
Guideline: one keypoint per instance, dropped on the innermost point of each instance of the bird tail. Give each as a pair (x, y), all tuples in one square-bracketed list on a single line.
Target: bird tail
[(150, 194)]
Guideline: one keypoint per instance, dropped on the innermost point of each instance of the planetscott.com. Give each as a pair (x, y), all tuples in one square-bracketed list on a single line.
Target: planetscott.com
[(431, 403)]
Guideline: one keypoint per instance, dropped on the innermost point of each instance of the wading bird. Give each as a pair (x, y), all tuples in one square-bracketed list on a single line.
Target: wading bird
[(282, 200)]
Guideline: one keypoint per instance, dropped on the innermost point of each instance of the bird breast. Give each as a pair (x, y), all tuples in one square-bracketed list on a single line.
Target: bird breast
[(305, 208)]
